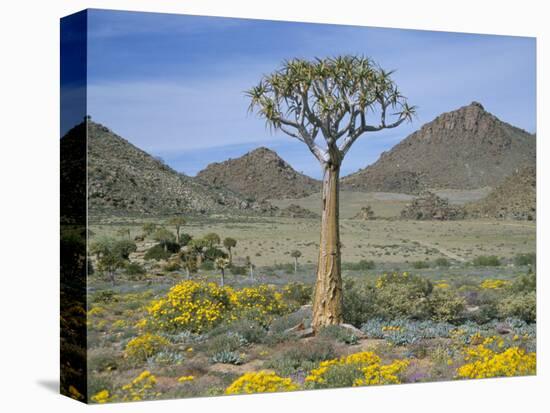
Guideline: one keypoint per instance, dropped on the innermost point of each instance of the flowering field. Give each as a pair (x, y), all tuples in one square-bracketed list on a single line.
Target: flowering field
[(194, 337)]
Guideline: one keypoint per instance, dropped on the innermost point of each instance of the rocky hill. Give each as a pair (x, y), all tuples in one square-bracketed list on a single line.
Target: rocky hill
[(122, 178), (260, 174), (515, 198), (464, 149)]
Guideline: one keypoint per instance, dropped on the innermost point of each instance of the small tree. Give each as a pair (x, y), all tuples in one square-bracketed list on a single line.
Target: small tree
[(188, 258), (229, 244), (148, 228), (123, 248), (177, 222), (163, 236), (199, 247), (101, 246), (124, 232), (212, 239), (221, 264), (109, 263), (295, 254), (250, 267), (332, 98)]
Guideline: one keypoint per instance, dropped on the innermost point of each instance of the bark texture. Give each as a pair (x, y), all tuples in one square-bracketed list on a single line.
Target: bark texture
[(327, 300)]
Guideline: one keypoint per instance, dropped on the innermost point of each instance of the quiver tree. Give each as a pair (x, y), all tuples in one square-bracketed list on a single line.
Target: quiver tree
[(295, 254), (177, 222), (230, 243), (221, 264), (327, 104)]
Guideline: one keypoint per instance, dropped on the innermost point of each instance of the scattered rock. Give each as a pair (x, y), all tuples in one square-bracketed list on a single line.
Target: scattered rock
[(429, 206), (366, 214)]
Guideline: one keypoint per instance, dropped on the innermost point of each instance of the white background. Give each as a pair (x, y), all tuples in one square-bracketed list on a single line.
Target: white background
[(29, 194)]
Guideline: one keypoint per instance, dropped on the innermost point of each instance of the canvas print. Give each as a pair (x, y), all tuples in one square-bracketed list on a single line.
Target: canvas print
[(254, 206)]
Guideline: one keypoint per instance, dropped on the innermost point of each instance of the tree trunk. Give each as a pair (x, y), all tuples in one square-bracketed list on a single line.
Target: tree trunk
[(223, 277), (251, 273), (188, 272), (178, 235), (295, 265), (327, 300)]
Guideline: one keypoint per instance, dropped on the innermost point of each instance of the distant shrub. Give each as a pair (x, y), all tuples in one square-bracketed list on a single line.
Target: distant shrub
[(184, 239), (207, 266), (238, 270), (442, 262), (171, 246), (526, 259), (248, 331), (212, 253), (105, 296), (156, 253), (362, 265), (420, 264), (172, 266), (524, 283), (297, 292), (124, 248), (486, 261), (301, 357), (134, 270), (519, 305)]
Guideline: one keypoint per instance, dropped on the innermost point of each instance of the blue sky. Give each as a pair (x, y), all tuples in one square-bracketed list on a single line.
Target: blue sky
[(173, 84)]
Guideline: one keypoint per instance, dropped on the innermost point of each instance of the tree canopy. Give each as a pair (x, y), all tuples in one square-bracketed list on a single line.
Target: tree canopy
[(335, 96)]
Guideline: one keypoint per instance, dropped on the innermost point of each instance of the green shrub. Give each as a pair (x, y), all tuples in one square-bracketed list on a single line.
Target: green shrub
[(402, 296), (301, 357), (157, 253), (212, 253), (248, 331), (486, 261), (171, 246), (358, 303), (228, 341), (526, 259), (207, 266), (420, 264), (134, 270), (519, 305), (339, 333), (446, 306), (297, 292), (237, 270), (362, 265), (442, 262), (124, 248), (103, 360), (524, 283), (184, 239), (105, 296)]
